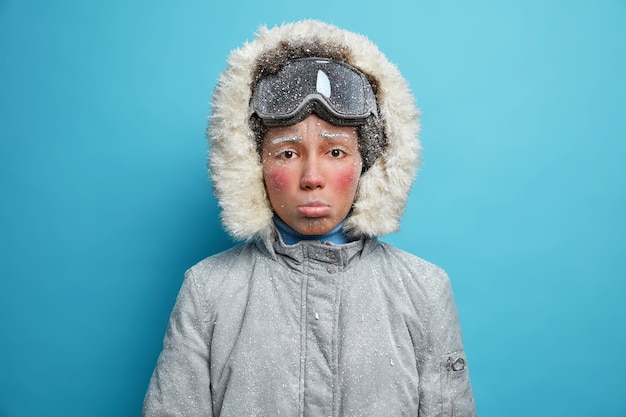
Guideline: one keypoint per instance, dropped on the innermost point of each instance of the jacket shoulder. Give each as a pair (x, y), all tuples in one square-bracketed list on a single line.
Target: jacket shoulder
[(219, 259), (227, 267), (409, 261), (419, 277)]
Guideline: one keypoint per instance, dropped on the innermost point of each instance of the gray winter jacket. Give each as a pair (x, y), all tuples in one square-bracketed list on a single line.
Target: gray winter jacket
[(312, 329)]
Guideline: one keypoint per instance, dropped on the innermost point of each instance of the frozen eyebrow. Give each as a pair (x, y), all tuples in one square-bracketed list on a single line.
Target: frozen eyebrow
[(282, 139), (334, 135)]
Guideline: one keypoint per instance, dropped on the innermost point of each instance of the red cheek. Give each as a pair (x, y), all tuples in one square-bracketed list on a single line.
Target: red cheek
[(346, 178), (277, 180)]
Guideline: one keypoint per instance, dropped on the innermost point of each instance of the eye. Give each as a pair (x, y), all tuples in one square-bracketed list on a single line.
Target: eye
[(336, 153), (287, 154)]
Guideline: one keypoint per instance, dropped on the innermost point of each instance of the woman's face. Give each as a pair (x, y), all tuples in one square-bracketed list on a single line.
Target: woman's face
[(311, 172)]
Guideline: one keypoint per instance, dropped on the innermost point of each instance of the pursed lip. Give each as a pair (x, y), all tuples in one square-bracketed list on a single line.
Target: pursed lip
[(315, 208)]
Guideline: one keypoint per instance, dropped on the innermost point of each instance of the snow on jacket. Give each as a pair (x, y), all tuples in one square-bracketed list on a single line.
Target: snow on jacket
[(312, 329)]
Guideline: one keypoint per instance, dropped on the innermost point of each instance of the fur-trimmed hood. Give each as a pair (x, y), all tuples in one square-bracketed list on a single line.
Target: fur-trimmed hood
[(235, 164)]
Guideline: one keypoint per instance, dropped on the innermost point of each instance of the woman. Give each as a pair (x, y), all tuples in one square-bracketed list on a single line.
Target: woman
[(313, 151)]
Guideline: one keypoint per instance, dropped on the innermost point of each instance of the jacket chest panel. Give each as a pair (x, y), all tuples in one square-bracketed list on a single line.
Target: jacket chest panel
[(320, 301)]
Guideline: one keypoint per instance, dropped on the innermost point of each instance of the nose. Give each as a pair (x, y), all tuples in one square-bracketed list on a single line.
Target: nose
[(312, 176)]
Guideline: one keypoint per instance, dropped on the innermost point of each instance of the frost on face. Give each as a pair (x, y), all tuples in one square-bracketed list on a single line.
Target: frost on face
[(372, 137)]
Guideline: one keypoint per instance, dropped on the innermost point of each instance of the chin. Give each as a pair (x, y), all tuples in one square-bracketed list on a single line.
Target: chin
[(315, 226)]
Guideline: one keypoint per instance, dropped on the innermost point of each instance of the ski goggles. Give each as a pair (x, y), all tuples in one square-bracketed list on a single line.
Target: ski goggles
[(336, 91)]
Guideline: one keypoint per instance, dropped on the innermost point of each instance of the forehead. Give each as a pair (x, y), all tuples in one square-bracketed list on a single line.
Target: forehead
[(312, 126)]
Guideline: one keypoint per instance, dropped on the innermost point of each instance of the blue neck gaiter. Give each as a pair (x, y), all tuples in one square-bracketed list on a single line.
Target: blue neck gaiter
[(291, 237)]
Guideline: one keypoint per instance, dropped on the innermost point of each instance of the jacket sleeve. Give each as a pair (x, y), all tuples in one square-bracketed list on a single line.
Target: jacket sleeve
[(445, 388), (180, 384)]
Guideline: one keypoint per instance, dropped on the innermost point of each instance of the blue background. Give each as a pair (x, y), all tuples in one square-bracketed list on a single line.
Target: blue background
[(105, 200)]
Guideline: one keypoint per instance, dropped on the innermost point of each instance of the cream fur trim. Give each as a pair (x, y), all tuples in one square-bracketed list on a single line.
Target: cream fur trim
[(235, 166)]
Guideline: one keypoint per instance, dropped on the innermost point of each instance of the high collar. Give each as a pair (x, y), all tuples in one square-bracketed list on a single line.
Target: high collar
[(291, 236), (295, 256)]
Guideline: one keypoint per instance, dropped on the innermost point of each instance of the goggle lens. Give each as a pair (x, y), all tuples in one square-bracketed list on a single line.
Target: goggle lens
[(344, 92)]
